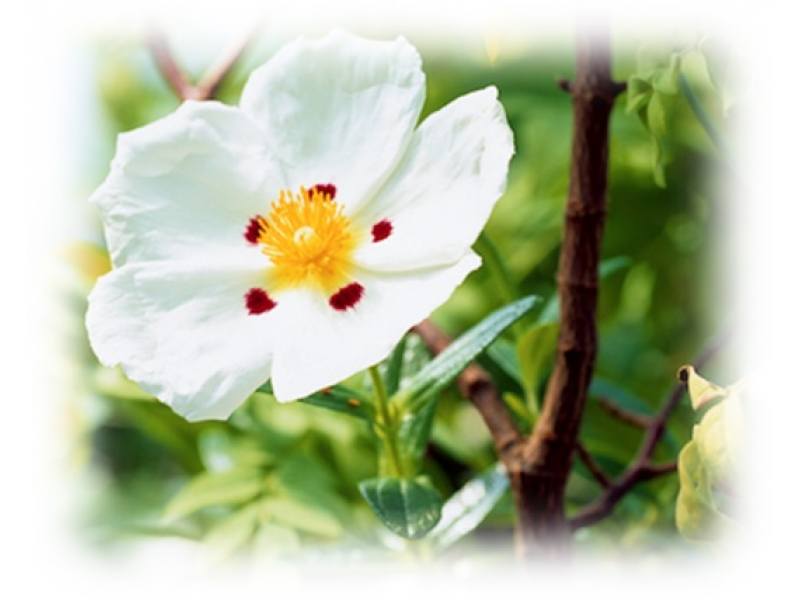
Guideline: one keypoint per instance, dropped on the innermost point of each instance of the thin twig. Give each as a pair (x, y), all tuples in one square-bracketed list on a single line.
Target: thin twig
[(213, 78), (179, 82), (475, 384), (626, 416), (165, 62), (642, 469), (593, 467)]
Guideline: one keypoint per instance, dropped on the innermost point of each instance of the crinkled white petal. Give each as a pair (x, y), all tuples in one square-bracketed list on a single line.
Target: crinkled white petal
[(442, 193), (340, 109), (184, 334), (187, 184), (323, 346)]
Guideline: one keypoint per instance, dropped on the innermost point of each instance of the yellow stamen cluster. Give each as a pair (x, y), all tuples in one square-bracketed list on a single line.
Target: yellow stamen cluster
[(309, 240)]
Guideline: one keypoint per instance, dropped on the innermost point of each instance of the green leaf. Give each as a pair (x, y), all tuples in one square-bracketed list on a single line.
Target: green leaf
[(638, 93), (468, 507), (665, 79), (394, 367), (657, 115), (413, 433), (536, 349), (613, 265), (659, 162), (229, 488), (501, 359), (231, 534), (408, 507), (442, 370), (301, 516), (275, 540), (342, 399)]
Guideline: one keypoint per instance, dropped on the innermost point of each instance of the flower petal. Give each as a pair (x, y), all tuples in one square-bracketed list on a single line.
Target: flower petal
[(187, 184), (183, 335), (338, 110), (442, 193), (326, 346)]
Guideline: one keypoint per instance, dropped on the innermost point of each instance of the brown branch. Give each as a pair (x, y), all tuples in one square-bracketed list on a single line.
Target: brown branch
[(175, 78), (593, 467), (179, 82), (626, 416), (642, 469), (540, 476), (475, 384), (216, 74)]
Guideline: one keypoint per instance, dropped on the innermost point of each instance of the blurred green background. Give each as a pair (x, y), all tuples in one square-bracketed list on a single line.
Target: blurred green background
[(660, 302)]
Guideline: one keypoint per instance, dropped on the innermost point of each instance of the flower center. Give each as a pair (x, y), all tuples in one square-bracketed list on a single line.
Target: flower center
[(308, 239)]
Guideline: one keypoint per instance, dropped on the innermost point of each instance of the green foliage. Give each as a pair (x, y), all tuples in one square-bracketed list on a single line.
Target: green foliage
[(282, 479), (469, 506), (408, 507), (651, 94), (443, 369)]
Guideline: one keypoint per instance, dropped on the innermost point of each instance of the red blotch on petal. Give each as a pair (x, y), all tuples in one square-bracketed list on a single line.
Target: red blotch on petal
[(327, 189), (381, 230), (258, 301), (347, 297), (253, 230)]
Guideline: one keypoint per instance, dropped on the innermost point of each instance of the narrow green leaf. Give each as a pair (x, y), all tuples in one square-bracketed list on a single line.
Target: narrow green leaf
[(468, 507), (413, 433), (536, 349), (231, 534), (275, 540), (497, 267), (501, 360), (394, 367), (443, 369), (613, 265), (522, 415), (657, 115), (228, 488), (409, 508), (659, 162), (638, 93), (301, 516), (342, 399)]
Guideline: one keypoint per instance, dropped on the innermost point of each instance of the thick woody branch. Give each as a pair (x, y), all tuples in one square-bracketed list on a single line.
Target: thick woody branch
[(475, 384), (540, 477)]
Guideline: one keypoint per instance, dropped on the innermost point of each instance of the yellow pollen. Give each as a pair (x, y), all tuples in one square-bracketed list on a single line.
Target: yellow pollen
[(309, 241)]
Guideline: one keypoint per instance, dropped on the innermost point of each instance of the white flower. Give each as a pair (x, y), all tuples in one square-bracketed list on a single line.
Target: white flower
[(296, 237)]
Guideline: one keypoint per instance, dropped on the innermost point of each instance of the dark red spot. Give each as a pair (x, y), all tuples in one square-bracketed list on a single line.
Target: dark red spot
[(347, 297), (381, 230), (253, 230), (258, 301), (326, 189)]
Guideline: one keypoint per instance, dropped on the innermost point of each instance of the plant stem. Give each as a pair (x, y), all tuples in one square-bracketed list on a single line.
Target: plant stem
[(539, 477), (386, 426), (494, 263), (700, 113)]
